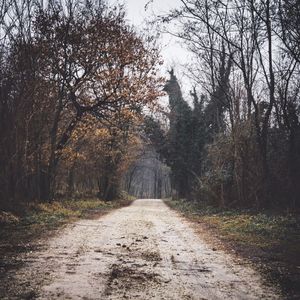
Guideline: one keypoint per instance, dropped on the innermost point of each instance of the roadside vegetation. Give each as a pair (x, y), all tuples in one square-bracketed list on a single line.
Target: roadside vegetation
[(76, 80), (269, 239), (80, 114), (234, 140), (37, 220)]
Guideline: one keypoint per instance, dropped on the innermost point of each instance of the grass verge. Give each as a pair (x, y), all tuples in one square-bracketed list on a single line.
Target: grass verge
[(41, 219), (22, 233), (269, 239)]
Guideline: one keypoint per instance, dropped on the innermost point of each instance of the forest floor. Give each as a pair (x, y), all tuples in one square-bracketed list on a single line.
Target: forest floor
[(270, 240), (21, 230), (38, 220), (143, 251)]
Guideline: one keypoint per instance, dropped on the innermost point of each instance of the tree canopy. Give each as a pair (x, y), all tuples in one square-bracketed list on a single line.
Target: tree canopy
[(73, 75)]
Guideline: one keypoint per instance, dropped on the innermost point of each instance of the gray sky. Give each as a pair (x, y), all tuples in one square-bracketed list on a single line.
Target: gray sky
[(136, 14), (173, 54)]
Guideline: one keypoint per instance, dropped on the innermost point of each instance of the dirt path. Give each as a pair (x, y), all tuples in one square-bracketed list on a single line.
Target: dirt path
[(144, 251)]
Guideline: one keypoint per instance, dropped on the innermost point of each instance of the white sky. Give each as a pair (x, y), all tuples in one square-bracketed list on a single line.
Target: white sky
[(173, 54), (136, 14)]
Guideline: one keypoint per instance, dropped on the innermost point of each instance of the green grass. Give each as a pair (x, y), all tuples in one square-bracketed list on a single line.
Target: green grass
[(268, 238), (267, 230), (38, 219)]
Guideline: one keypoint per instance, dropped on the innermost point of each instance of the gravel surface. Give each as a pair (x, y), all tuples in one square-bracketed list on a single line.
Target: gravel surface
[(144, 251)]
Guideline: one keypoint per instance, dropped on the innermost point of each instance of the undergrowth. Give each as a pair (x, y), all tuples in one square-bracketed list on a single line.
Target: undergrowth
[(39, 218), (267, 230)]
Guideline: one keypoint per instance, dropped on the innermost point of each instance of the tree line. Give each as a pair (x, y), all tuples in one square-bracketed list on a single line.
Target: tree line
[(75, 82), (238, 144)]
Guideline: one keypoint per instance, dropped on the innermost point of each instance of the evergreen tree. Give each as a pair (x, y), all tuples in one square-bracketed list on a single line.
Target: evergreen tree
[(182, 146), (179, 139), (199, 134)]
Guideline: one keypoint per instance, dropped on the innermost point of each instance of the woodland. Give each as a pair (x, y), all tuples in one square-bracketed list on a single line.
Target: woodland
[(75, 81), (80, 109), (238, 144)]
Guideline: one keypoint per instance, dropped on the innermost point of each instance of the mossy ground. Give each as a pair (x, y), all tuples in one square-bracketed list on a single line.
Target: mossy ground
[(270, 239), (27, 231), (41, 219)]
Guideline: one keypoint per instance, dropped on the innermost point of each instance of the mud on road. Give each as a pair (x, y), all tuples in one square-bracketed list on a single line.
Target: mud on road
[(144, 251)]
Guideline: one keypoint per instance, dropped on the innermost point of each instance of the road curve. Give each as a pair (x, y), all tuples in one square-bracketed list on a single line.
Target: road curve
[(144, 251)]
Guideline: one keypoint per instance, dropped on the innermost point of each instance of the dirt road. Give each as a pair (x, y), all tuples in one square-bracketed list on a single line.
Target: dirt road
[(144, 251)]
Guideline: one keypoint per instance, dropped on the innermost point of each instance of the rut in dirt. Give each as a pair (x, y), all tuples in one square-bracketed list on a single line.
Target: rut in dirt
[(144, 251)]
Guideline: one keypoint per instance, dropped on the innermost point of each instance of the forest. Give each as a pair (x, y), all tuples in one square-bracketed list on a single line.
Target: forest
[(125, 176), (80, 110), (238, 144), (75, 82)]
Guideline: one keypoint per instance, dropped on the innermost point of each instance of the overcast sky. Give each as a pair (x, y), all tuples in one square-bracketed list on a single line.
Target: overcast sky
[(173, 54), (137, 15)]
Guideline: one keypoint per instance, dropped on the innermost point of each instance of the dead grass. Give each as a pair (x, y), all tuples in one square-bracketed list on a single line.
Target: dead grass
[(41, 219), (264, 229), (268, 238), (23, 233)]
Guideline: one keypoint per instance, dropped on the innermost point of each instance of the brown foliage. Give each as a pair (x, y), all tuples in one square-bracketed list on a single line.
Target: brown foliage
[(74, 84)]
